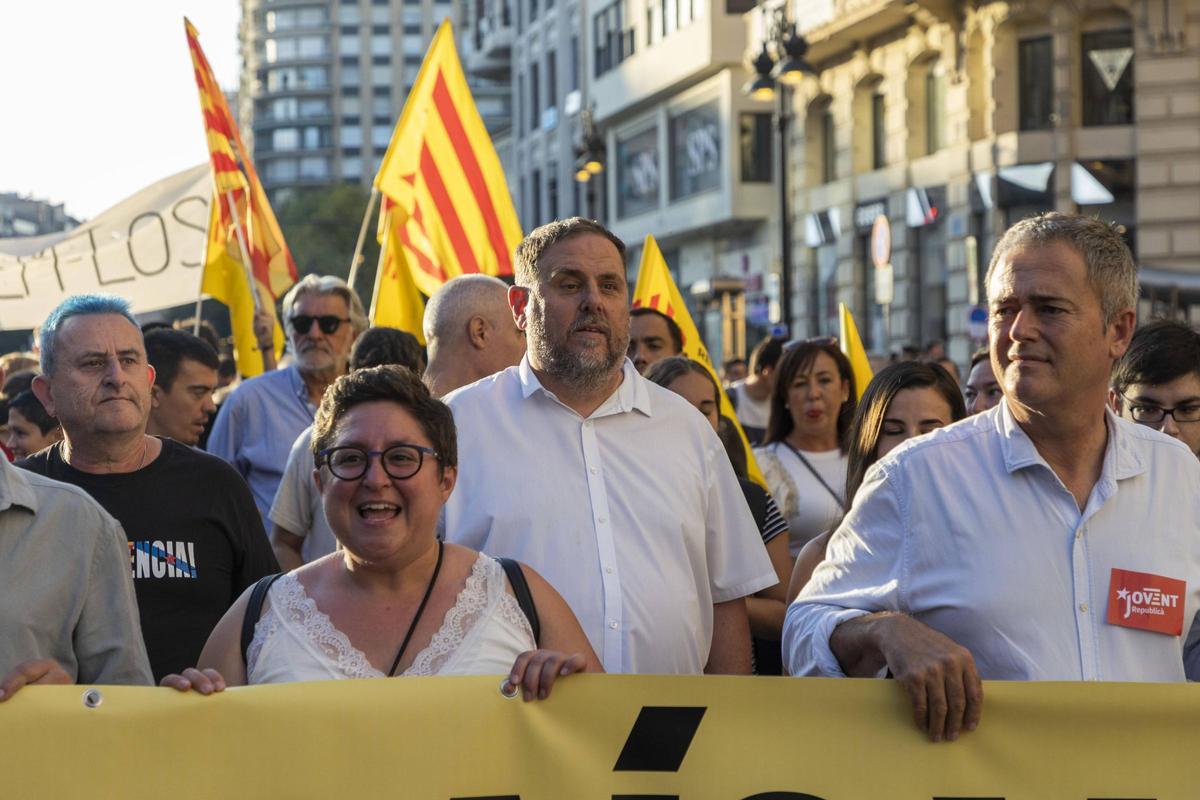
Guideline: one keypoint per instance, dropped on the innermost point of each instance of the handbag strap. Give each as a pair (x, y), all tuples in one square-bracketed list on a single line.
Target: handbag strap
[(516, 579), (254, 609), (836, 497)]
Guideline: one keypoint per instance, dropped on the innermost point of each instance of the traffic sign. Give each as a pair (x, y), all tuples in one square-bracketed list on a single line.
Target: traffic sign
[(977, 323), (881, 242)]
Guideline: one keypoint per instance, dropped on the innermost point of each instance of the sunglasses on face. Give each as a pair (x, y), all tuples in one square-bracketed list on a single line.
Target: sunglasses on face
[(301, 323)]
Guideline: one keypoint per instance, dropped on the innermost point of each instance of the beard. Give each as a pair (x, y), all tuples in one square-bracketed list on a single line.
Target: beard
[(582, 371)]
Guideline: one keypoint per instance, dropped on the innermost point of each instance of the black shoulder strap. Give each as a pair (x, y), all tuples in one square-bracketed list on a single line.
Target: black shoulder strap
[(254, 609), (516, 578)]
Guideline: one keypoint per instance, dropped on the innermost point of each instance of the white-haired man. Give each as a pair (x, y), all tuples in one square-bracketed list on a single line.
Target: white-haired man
[(1044, 539), (260, 420), (469, 333), (615, 489)]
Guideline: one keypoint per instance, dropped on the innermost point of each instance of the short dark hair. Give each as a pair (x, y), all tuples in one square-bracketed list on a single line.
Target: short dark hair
[(982, 354), (868, 417), (529, 252), (207, 331), (167, 348), (1159, 352), (800, 358), (672, 326), (727, 432), (392, 384), (665, 371), (378, 346), (32, 409), (766, 353)]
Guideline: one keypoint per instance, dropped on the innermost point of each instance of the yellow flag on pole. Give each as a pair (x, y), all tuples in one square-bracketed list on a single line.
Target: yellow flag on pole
[(852, 348), (240, 217), (453, 214), (396, 302), (656, 289)]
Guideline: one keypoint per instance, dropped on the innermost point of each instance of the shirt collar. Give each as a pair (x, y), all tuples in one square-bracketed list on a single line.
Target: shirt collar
[(14, 488), (298, 387), (1121, 459), (630, 395)]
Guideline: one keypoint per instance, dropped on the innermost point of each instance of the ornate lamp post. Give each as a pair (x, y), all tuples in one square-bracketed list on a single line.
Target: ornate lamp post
[(589, 156), (778, 68)]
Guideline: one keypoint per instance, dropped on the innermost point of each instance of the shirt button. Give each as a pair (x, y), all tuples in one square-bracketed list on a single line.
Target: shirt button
[(1083, 607), (608, 570), (592, 470), (1079, 533), (587, 423), (602, 519), (613, 625)]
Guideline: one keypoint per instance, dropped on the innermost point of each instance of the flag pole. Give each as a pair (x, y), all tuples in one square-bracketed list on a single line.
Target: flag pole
[(203, 267), (387, 232), (247, 266), (362, 235)]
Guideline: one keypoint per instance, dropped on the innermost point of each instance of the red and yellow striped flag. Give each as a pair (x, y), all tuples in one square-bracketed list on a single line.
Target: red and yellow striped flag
[(234, 179), (656, 289), (396, 302), (453, 214)]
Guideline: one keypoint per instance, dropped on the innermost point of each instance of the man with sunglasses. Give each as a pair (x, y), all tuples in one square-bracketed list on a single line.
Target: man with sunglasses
[(260, 420)]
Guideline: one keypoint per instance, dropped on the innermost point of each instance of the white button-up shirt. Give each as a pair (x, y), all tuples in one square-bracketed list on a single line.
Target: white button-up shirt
[(633, 514), (969, 531)]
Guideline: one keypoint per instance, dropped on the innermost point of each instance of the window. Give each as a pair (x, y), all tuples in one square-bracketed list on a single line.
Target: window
[(381, 137), (552, 189), (285, 108), (878, 131), (352, 167), (316, 136), (349, 45), (695, 151), (521, 96), (348, 15), (754, 146), (381, 44), (314, 168), (351, 136), (1108, 78), (312, 47), (828, 147), (1035, 78), (613, 44), (291, 78), (935, 109), (637, 173), (314, 108), (535, 185), (413, 45), (670, 16), (533, 10), (574, 74), (381, 105), (653, 22), (551, 79), (351, 105), (381, 75), (535, 109), (283, 169), (351, 76), (380, 15)]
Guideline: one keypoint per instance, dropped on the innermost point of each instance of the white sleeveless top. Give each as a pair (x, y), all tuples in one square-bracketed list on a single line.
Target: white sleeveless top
[(482, 634)]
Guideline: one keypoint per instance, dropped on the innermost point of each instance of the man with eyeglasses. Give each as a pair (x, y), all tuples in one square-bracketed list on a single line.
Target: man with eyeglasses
[(1157, 381), (1045, 539), (260, 420)]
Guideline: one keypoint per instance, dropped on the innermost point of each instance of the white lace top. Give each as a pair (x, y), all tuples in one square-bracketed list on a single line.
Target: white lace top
[(482, 634)]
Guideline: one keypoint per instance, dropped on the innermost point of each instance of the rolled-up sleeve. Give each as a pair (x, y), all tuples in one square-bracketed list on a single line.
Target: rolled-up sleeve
[(861, 574)]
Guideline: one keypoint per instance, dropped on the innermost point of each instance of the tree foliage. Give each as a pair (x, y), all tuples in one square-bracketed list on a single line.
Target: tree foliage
[(321, 226)]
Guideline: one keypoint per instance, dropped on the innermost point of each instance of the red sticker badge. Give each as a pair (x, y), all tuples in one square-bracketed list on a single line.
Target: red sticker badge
[(1147, 602)]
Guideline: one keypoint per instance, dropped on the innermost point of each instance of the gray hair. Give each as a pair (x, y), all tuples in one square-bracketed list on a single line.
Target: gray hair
[(327, 284), (1110, 266), (529, 252), (78, 305), (460, 299)]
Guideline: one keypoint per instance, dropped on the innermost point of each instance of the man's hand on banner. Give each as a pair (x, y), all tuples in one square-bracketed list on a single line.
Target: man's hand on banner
[(204, 681), (41, 671)]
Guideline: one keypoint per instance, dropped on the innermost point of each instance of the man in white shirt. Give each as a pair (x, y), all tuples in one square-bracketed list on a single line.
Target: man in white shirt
[(470, 333), (1045, 539), (616, 490)]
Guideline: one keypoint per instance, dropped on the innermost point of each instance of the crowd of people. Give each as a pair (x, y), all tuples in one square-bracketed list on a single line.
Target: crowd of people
[(549, 487)]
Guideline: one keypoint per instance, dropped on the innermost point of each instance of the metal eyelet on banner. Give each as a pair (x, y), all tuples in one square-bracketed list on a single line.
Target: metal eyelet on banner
[(507, 689), (92, 698)]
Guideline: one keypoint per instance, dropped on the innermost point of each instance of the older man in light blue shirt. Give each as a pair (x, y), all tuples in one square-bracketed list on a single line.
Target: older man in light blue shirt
[(260, 420), (1000, 547)]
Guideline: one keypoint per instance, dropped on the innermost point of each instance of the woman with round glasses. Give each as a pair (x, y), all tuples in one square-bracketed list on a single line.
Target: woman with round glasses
[(803, 456), (395, 600)]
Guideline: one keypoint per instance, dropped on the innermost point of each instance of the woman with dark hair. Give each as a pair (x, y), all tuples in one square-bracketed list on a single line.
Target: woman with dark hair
[(903, 401), (803, 456), (693, 382), (30, 427)]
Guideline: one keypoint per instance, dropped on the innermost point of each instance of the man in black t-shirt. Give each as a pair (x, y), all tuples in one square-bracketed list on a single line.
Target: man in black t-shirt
[(196, 540)]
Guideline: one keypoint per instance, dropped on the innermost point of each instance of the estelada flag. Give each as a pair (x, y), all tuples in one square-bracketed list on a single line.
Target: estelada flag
[(656, 289), (453, 214), (396, 302), (234, 179), (852, 347)]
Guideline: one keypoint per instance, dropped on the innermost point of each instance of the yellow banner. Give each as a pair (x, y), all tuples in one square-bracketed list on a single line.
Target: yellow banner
[(702, 738)]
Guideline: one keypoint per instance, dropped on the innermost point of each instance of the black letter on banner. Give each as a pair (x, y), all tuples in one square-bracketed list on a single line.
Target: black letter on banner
[(166, 243), (202, 228), (491, 797), (645, 797), (57, 271), (967, 798), (1122, 798), (96, 262), (660, 739), (24, 282), (783, 796)]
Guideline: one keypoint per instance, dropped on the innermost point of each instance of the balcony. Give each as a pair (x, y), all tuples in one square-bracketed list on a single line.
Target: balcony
[(487, 48)]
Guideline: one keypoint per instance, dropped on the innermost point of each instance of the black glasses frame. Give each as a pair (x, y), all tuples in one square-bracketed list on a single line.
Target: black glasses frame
[(325, 459), (328, 323), (1162, 417)]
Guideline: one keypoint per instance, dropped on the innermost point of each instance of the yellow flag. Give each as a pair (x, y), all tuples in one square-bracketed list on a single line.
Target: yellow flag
[(852, 348), (397, 303), (453, 215), (225, 281), (656, 289)]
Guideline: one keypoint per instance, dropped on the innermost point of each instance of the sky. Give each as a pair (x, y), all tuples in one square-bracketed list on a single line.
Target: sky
[(98, 99)]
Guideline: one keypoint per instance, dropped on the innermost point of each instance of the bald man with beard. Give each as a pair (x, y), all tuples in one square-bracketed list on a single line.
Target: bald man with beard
[(470, 333)]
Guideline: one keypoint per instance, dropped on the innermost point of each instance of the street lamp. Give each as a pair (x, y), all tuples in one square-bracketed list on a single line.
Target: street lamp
[(778, 68), (589, 151)]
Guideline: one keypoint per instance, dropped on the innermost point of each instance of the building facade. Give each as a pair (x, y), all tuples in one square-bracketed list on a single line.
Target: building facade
[(27, 216), (323, 83), (956, 120)]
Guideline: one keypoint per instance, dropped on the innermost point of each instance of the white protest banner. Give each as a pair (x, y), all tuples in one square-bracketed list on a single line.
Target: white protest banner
[(149, 249)]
